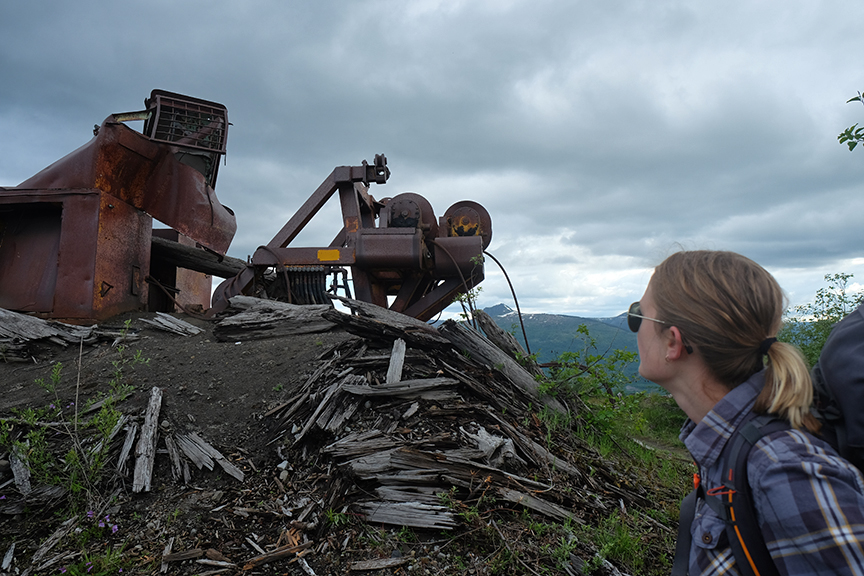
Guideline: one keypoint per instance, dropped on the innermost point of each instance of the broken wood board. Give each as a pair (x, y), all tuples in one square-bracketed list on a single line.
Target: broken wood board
[(374, 321), (413, 514), (171, 324), (145, 452), (270, 319), (479, 347)]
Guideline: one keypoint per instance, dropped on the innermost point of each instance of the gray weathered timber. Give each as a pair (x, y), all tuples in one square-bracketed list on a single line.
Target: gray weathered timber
[(538, 505), (217, 456), (195, 259), (145, 452), (270, 319), (171, 324), (506, 342), (397, 359), (479, 347), (373, 321), (423, 388), (413, 514)]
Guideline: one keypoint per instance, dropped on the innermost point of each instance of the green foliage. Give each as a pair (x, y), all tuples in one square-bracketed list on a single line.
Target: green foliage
[(586, 371), (335, 518), (468, 301), (807, 326), (109, 562), (853, 135), (618, 538), (63, 445)]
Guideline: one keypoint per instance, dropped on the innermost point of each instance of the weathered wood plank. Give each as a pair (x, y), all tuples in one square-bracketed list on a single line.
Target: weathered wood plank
[(506, 342), (192, 451), (145, 452), (359, 444), (171, 324), (277, 554), (479, 347), (377, 322), (270, 319), (131, 432), (403, 389), (546, 508), (397, 359), (174, 456), (413, 514), (217, 456), (24, 327)]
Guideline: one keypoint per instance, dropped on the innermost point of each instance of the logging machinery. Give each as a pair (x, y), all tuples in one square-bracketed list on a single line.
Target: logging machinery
[(77, 241), (400, 256)]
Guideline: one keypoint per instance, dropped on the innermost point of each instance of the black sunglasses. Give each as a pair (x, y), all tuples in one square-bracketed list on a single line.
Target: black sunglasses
[(635, 317)]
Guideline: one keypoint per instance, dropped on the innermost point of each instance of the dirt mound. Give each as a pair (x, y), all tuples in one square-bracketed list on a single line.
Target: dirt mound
[(444, 468)]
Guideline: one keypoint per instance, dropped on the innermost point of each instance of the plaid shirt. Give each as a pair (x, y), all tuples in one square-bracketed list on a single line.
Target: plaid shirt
[(809, 501)]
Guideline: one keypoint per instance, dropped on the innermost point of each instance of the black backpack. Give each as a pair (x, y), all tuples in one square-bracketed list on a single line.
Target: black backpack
[(839, 373), (735, 506)]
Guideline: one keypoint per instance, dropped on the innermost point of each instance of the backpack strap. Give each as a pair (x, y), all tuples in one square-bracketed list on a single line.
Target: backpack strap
[(735, 504), (681, 564)]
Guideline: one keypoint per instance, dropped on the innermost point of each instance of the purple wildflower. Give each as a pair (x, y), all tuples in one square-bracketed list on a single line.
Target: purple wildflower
[(114, 529), (101, 524), (90, 514)]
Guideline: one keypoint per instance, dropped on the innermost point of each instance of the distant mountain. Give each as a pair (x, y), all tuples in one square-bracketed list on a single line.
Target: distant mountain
[(551, 334)]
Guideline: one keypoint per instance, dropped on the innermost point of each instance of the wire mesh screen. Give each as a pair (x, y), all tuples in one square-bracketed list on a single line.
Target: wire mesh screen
[(190, 123)]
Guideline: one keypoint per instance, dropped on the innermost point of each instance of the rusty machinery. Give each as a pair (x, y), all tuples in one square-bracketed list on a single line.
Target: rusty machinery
[(75, 239), (400, 255)]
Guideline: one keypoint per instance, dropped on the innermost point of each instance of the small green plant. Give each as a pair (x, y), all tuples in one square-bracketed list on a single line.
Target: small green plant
[(335, 518), (406, 534), (278, 387), (111, 561), (468, 302)]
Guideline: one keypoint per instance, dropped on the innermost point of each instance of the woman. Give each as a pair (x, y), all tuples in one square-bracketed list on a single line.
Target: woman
[(705, 327)]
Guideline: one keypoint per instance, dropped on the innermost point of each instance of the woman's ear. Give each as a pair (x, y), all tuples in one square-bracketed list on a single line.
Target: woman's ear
[(675, 347)]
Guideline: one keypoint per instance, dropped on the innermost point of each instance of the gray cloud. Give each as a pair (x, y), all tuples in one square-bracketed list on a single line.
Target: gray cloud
[(607, 134)]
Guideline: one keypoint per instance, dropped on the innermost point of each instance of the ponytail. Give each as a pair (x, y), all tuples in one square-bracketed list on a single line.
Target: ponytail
[(788, 391)]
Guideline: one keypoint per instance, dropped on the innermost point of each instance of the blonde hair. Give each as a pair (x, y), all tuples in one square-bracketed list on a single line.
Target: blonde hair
[(726, 306)]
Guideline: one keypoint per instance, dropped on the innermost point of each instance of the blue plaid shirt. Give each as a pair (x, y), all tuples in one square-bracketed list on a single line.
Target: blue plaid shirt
[(809, 501)]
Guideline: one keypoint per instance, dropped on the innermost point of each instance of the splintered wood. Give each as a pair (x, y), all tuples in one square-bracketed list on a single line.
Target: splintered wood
[(411, 421)]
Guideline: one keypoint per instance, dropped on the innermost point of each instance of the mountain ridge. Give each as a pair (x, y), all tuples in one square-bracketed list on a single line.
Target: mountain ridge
[(550, 335)]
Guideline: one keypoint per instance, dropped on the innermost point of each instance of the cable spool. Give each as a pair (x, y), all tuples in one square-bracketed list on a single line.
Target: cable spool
[(469, 218)]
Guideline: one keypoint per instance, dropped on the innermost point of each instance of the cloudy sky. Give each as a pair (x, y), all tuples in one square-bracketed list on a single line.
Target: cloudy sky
[(600, 136)]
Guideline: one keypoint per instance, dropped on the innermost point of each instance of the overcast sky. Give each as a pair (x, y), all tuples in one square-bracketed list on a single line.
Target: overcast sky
[(600, 136)]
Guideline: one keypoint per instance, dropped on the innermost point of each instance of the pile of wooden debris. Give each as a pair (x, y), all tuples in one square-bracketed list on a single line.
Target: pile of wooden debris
[(405, 425)]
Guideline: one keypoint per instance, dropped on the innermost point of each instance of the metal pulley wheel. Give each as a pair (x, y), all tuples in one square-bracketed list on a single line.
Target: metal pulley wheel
[(469, 218), (411, 210)]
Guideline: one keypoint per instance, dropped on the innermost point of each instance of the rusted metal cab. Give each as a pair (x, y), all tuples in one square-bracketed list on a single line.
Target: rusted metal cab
[(75, 238)]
